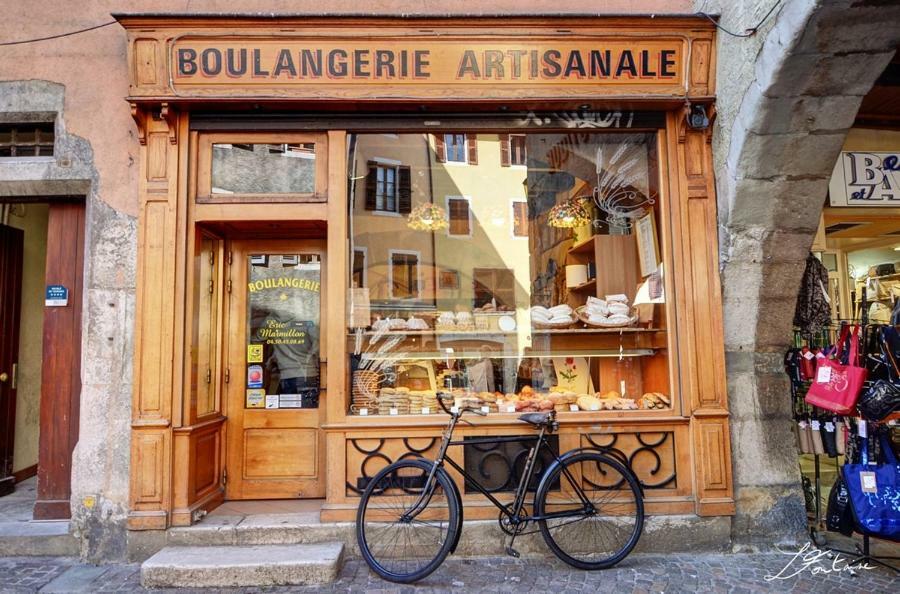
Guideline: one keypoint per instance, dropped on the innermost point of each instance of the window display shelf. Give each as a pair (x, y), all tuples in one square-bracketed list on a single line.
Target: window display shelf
[(558, 331), (478, 354)]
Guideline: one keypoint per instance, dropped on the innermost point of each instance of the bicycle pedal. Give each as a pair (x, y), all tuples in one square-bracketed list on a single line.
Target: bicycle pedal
[(512, 552)]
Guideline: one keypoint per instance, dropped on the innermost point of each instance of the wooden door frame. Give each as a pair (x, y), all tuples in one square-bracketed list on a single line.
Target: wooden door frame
[(10, 318), (233, 346)]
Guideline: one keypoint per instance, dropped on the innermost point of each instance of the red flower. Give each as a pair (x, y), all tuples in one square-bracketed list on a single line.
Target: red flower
[(570, 360)]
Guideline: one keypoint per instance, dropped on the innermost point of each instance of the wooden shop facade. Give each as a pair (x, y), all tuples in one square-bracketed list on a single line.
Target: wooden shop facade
[(341, 217)]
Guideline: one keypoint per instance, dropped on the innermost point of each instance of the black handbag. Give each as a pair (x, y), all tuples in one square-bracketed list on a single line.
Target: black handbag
[(883, 397), (838, 514)]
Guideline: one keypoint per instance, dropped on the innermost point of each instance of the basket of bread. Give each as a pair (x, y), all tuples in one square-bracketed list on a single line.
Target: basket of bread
[(612, 312), (548, 318)]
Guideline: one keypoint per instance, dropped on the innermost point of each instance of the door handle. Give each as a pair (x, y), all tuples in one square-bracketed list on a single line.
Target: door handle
[(4, 376)]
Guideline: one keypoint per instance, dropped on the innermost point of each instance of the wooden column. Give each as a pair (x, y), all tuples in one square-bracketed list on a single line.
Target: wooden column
[(159, 309), (701, 342), (61, 369)]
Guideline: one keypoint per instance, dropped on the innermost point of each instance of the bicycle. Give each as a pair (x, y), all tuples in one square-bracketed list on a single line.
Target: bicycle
[(410, 516)]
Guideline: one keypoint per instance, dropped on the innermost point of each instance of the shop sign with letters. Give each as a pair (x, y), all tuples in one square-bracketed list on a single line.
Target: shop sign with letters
[(866, 179)]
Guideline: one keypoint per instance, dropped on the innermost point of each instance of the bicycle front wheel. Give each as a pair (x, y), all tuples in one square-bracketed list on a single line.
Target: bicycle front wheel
[(597, 509), (400, 541)]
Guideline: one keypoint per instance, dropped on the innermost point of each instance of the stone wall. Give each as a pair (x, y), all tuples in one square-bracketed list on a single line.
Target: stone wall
[(786, 98)]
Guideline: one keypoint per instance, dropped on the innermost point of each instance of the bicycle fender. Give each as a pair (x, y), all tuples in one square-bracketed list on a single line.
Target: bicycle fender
[(459, 521), (545, 477)]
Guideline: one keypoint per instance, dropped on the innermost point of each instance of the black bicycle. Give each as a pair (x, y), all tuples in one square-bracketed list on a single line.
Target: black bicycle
[(588, 505)]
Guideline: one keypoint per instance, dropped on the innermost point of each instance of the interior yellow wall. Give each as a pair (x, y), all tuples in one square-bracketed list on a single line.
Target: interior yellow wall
[(34, 223), (866, 139)]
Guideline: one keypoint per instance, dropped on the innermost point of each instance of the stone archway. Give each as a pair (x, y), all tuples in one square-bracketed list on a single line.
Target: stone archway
[(787, 98)]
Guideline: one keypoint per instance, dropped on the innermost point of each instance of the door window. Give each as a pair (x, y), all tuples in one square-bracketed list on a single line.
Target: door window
[(283, 322)]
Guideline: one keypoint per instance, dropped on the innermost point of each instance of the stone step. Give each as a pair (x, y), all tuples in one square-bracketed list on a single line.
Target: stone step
[(243, 566), (50, 538)]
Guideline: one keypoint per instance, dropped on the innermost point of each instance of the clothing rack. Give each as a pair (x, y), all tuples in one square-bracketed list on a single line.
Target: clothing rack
[(861, 554)]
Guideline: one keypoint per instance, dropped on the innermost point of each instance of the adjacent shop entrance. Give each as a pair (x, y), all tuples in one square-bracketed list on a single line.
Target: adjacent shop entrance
[(275, 335)]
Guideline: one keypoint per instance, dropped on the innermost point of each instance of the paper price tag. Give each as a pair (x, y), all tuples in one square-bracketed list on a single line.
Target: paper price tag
[(803, 424), (394, 412), (867, 480), (862, 429), (815, 425), (573, 407), (808, 355), (485, 409), (364, 412), (823, 374), (454, 409), (426, 410), (511, 408), (829, 427)]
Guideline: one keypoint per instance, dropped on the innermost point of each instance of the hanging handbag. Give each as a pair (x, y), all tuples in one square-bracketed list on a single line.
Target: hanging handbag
[(829, 436), (883, 397), (836, 386), (838, 515), (875, 492)]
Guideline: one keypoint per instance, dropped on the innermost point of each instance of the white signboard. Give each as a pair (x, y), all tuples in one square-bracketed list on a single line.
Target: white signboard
[(866, 179)]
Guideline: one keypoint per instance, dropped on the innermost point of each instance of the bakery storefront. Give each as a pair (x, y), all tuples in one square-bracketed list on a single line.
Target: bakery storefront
[(341, 217)]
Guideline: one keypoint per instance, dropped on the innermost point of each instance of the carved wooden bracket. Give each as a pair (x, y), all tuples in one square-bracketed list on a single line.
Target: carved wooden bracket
[(140, 119), (171, 119), (681, 122)]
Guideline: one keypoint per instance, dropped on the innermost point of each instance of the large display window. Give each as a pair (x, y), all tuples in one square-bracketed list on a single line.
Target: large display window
[(519, 271)]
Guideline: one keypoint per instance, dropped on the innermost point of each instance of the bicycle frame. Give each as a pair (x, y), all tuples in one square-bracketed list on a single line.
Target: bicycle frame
[(539, 442)]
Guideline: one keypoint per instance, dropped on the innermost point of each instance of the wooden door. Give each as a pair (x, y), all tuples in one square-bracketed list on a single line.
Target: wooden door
[(275, 402), (11, 251)]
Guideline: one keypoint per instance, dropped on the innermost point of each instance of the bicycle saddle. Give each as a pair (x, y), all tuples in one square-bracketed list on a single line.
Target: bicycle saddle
[(537, 418)]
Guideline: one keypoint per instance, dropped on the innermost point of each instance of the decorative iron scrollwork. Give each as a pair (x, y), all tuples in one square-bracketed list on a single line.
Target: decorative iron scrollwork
[(646, 447), (376, 453), (498, 466)]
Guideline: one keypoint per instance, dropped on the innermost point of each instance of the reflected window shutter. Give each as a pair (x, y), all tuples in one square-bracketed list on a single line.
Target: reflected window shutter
[(472, 143), (404, 189), (504, 150), (440, 148), (371, 180)]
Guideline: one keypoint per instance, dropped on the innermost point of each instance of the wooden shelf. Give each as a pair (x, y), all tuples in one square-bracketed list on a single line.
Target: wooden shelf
[(488, 333), (585, 246), (589, 285)]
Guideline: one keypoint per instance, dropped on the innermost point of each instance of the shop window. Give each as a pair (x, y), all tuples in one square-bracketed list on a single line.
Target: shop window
[(519, 218), (404, 275), (460, 217), (388, 188), (456, 148), (261, 168), (27, 139), (556, 300)]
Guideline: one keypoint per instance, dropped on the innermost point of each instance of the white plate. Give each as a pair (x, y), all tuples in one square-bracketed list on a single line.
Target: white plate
[(506, 323)]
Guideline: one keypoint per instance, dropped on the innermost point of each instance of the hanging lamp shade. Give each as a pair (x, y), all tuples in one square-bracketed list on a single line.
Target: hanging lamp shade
[(569, 214), (427, 217)]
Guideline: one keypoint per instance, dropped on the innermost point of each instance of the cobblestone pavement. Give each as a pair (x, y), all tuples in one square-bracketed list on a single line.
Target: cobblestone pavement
[(738, 573)]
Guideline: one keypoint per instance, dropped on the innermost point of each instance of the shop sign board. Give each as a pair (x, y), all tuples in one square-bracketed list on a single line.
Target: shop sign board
[(303, 64), (866, 179)]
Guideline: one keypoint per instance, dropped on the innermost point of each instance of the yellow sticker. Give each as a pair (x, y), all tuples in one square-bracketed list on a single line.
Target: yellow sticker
[(254, 353), (256, 398)]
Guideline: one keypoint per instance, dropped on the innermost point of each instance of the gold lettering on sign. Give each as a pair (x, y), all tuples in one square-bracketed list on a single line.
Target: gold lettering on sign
[(217, 63)]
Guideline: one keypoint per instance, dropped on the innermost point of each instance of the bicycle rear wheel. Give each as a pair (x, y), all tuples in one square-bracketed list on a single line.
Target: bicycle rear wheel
[(398, 543), (600, 530)]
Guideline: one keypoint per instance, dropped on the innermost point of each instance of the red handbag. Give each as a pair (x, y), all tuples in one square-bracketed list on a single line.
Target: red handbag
[(836, 387)]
